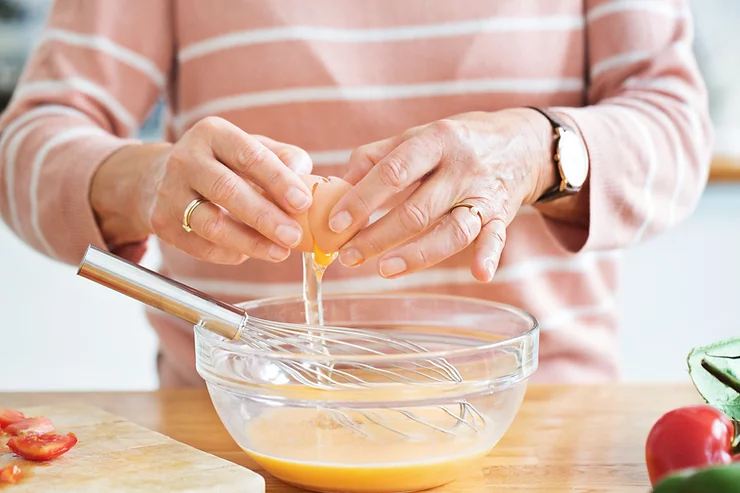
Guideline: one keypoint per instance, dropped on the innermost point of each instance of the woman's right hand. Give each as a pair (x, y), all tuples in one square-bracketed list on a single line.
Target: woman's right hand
[(145, 189)]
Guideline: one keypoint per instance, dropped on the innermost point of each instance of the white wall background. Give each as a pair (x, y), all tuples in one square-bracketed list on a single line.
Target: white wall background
[(62, 332)]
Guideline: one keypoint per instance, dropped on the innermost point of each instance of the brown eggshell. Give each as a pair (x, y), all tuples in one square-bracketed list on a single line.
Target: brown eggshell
[(306, 244), (325, 197)]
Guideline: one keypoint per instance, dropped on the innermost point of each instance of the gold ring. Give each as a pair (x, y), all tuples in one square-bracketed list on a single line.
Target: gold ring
[(189, 212), (473, 209)]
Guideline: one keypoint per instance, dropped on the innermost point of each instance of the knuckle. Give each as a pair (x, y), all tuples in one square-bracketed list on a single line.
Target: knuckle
[(374, 245), (256, 247), (250, 157), (362, 202), (462, 233), (213, 254), (498, 209), (364, 156), (217, 255), (274, 178), (208, 253), (393, 173), (443, 129), (213, 226), (261, 219), (421, 257), (414, 218), (224, 187), (498, 233), (207, 124), (358, 153)]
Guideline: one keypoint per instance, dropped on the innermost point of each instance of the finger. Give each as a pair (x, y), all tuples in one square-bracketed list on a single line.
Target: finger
[(220, 185), (488, 248), (455, 232), (216, 225), (424, 207), (497, 212), (292, 156), (398, 170), (249, 158), (364, 158), (168, 227)]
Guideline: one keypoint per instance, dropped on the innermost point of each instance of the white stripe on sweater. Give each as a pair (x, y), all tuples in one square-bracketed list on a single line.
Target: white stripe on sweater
[(376, 93), (659, 7), (107, 46), (14, 141), (38, 162), (101, 95), (379, 35)]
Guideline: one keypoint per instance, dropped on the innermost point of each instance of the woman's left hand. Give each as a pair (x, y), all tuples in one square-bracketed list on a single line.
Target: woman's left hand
[(496, 162)]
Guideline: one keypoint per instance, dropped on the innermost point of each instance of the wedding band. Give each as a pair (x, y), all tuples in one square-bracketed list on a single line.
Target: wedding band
[(189, 212), (473, 209)]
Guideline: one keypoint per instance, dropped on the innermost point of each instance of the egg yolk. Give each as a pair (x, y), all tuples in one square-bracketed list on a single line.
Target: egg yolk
[(308, 448), (322, 258)]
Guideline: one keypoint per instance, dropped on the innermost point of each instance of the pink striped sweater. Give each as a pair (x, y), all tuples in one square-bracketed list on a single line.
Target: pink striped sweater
[(330, 75)]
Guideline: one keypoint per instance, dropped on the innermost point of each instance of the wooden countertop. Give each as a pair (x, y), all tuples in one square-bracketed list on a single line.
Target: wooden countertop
[(564, 439), (725, 169)]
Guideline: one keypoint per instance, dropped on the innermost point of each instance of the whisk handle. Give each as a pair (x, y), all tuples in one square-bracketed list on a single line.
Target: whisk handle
[(160, 292)]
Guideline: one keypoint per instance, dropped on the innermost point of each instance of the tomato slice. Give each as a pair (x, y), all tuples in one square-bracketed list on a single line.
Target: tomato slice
[(42, 447), (38, 425), (9, 416), (10, 474)]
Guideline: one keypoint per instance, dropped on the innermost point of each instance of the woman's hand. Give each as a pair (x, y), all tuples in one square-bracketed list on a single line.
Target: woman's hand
[(248, 183), (495, 162)]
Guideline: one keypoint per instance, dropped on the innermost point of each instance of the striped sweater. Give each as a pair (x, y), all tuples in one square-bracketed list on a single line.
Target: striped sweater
[(330, 75)]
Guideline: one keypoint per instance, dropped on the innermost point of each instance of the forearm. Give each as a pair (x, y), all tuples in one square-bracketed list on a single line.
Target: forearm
[(118, 193), (646, 129)]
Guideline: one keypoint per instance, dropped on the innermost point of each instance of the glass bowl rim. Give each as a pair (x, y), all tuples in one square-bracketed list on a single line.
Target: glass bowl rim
[(236, 347)]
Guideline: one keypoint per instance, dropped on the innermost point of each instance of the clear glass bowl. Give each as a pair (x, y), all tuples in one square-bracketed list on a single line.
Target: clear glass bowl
[(379, 419)]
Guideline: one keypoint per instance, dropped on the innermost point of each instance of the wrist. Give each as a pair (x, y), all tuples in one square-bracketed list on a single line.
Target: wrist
[(118, 192), (545, 173)]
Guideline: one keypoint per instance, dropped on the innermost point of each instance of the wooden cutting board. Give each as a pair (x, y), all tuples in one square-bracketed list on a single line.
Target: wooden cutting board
[(115, 455)]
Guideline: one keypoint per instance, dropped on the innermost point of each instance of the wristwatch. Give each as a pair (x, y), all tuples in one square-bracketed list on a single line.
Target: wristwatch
[(569, 155)]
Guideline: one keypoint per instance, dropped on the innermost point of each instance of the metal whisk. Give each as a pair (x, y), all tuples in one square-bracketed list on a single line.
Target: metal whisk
[(233, 323)]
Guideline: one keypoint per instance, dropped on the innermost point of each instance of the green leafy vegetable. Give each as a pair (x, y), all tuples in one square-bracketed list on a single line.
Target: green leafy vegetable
[(714, 369)]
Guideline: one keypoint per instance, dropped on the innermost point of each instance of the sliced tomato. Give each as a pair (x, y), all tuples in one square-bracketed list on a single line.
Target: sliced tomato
[(42, 447), (10, 474), (9, 416), (37, 425)]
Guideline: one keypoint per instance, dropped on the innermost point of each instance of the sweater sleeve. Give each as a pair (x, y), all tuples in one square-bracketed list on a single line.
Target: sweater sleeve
[(90, 82), (646, 124)]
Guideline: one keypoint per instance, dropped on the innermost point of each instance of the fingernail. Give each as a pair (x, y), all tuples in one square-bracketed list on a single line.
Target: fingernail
[(490, 268), (288, 235), (297, 198), (392, 266), (277, 253), (340, 221), (350, 257)]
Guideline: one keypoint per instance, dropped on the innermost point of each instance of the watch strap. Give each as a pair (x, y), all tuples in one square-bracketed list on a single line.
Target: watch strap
[(562, 188), (554, 119)]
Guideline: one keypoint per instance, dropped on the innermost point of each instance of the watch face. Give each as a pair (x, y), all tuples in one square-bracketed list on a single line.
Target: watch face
[(573, 158)]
